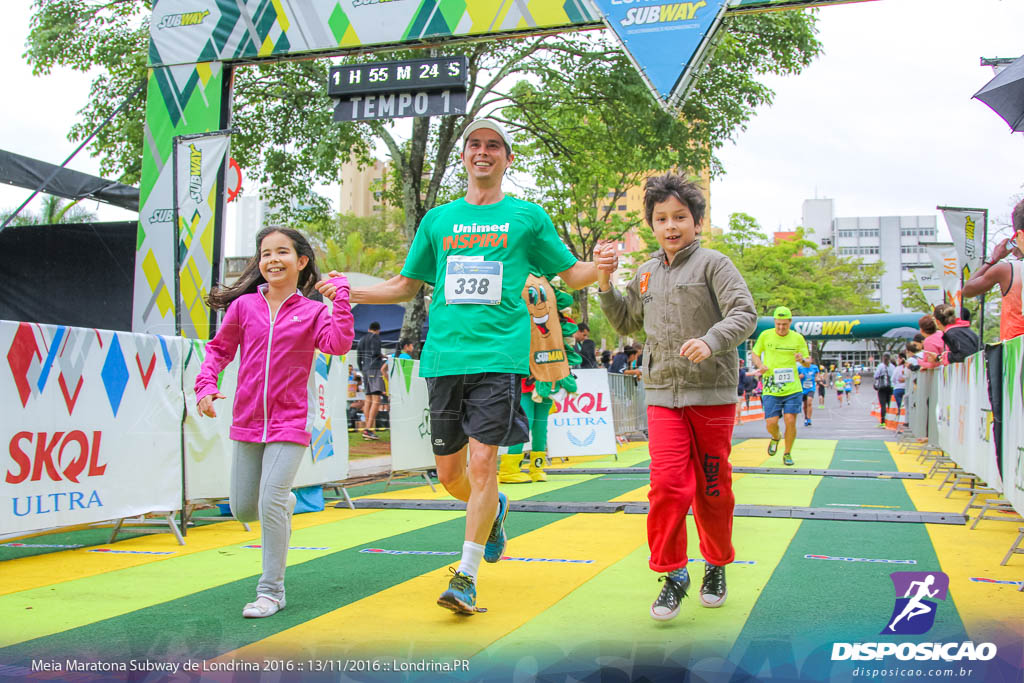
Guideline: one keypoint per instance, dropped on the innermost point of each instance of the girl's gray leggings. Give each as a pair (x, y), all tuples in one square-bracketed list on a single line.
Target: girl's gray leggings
[(261, 481)]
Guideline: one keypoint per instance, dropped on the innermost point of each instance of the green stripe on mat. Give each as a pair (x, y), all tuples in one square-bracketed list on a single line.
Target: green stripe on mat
[(610, 614), (811, 603)]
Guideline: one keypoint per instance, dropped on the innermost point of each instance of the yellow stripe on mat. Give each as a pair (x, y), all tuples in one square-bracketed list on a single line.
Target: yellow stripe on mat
[(405, 621), (966, 553), (37, 571)]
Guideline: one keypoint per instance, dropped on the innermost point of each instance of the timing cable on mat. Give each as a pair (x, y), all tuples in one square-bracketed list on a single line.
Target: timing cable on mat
[(602, 507), (859, 474)]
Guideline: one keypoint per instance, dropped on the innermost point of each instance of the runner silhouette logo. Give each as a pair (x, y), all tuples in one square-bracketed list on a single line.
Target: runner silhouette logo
[(915, 608)]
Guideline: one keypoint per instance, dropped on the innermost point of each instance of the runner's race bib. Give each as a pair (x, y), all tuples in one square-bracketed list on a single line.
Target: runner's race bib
[(783, 376), (808, 383), (473, 282)]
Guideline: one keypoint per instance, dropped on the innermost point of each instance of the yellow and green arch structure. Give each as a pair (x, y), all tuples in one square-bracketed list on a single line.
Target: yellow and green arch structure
[(195, 45), (568, 602)]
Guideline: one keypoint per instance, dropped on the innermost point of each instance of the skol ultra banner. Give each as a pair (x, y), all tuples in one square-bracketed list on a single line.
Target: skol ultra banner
[(209, 449), (199, 164), (583, 423), (410, 417), (965, 420), (967, 228), (91, 425), (1013, 422), (947, 265)]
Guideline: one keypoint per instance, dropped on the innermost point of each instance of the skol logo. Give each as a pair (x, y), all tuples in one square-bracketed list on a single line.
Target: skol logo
[(657, 14), (62, 455), (184, 19), (584, 403)]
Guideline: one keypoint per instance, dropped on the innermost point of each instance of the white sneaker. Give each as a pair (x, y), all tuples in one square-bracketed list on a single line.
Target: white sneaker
[(264, 606)]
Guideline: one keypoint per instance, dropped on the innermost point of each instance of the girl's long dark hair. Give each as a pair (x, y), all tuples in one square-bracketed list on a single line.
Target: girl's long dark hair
[(251, 278)]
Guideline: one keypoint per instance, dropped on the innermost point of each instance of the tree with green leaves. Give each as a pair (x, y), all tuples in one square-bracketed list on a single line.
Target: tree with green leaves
[(373, 245), (796, 273), (54, 210)]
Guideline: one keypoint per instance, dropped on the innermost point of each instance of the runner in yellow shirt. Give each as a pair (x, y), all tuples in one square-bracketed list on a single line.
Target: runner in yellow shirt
[(776, 355)]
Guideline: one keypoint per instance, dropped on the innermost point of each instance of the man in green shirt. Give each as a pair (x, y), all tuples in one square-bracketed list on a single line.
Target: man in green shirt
[(776, 354), (477, 252)]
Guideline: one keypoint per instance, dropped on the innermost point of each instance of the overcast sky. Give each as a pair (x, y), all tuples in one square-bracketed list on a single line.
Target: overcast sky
[(883, 122)]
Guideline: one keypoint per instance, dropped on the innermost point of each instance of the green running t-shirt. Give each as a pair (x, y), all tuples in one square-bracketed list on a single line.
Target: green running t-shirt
[(482, 245), (779, 355)]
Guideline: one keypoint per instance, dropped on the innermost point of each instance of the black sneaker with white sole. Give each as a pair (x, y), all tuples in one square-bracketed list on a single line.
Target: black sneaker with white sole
[(712, 589), (670, 599)]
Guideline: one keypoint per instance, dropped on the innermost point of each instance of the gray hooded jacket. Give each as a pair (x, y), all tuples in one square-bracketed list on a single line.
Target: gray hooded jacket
[(700, 295)]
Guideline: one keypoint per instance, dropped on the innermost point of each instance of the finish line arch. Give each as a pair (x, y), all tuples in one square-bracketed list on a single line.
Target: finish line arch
[(196, 44)]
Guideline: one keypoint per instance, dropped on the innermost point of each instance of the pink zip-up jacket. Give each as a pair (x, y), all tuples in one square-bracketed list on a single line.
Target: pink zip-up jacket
[(275, 395), (933, 342)]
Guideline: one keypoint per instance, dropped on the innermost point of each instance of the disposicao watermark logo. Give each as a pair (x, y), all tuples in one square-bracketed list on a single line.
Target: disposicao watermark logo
[(914, 614)]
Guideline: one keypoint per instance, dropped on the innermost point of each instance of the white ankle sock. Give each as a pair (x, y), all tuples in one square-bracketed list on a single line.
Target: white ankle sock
[(472, 553)]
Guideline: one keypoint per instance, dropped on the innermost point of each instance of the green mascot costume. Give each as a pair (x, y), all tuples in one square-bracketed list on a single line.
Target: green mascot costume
[(550, 358)]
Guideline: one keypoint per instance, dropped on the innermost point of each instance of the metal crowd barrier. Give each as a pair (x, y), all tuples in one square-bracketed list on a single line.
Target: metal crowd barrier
[(628, 404)]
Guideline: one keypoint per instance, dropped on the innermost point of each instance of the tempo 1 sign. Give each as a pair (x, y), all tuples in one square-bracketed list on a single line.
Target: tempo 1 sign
[(384, 90), (398, 105)]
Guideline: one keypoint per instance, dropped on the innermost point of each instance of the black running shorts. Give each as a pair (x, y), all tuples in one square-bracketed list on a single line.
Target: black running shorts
[(484, 406)]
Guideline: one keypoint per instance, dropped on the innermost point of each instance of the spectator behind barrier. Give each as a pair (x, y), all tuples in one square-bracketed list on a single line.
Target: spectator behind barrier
[(933, 345), (956, 333)]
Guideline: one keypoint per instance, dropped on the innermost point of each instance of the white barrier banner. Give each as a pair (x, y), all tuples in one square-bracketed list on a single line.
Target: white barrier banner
[(1013, 421), (410, 417), (583, 423), (208, 448), (964, 417), (91, 425)]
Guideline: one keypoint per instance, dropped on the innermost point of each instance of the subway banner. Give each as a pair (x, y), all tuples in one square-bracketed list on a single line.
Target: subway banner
[(180, 100), (964, 418), (869, 326), (967, 227), (410, 417), (1013, 422), (209, 450), (199, 161), (189, 31), (666, 40), (583, 423), (91, 425)]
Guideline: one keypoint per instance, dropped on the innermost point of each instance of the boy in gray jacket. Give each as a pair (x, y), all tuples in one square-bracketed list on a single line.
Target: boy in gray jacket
[(696, 309)]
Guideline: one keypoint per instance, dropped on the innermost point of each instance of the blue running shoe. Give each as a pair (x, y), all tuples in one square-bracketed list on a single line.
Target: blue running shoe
[(461, 594), (495, 546)]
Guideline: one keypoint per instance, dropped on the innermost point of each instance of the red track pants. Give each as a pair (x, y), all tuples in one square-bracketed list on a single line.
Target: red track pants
[(690, 465)]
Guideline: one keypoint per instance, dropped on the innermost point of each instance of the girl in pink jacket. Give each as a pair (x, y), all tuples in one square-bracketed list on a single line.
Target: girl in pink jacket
[(277, 329)]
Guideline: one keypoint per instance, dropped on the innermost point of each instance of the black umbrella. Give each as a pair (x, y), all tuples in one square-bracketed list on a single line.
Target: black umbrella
[(1005, 95)]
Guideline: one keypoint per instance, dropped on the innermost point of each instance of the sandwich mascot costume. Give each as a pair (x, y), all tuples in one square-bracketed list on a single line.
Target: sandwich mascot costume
[(550, 358)]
